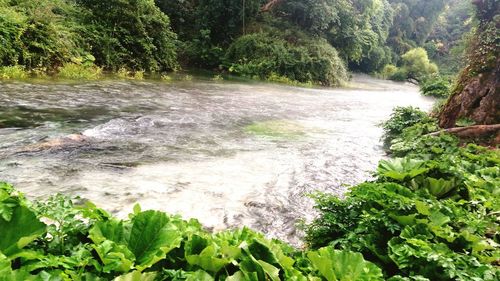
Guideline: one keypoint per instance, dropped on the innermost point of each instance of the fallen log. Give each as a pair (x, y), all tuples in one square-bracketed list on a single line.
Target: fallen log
[(471, 131)]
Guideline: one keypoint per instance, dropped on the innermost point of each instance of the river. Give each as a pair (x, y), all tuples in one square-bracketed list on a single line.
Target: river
[(227, 153)]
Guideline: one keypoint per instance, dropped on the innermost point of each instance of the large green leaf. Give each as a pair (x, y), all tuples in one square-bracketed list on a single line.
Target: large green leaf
[(22, 229), (4, 265), (401, 168), (115, 257), (137, 276), (344, 265), (152, 237), (144, 242), (200, 275), (113, 230), (208, 260), (439, 187)]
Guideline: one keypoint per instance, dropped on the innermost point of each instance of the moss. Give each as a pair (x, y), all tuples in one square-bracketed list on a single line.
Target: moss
[(276, 129)]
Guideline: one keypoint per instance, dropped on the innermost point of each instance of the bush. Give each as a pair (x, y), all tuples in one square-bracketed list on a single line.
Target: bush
[(400, 75), (41, 34), (401, 118), (58, 240), (131, 34), (417, 64), (261, 55), (13, 72), (76, 71), (435, 86), (388, 71), (425, 216)]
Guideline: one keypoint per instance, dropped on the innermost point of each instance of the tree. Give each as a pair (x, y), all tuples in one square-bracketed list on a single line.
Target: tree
[(477, 95), (417, 65), (129, 33)]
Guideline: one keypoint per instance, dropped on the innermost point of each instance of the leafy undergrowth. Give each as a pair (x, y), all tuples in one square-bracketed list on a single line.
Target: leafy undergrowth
[(56, 240), (431, 214)]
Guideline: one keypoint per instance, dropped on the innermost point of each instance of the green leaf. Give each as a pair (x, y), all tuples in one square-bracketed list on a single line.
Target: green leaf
[(208, 260), (21, 230), (144, 241), (137, 276), (200, 275), (238, 276), (115, 257), (344, 265), (422, 208), (401, 168), (152, 237), (438, 187), (113, 230)]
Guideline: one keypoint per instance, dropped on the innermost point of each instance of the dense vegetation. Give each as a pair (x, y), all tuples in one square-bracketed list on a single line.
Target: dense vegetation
[(56, 240), (313, 41), (431, 213)]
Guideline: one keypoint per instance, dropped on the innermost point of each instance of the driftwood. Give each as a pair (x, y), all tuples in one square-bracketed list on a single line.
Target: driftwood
[(269, 5), (472, 131)]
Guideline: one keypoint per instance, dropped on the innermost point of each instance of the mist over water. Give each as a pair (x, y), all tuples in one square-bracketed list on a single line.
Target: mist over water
[(227, 153)]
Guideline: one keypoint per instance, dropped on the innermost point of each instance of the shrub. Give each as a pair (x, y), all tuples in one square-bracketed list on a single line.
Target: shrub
[(400, 75), (425, 215), (41, 34), (261, 55), (13, 72), (58, 240), (435, 86), (388, 71), (417, 64), (401, 118), (75, 71), (131, 34)]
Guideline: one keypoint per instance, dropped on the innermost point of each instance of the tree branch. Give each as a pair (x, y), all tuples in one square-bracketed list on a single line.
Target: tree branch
[(470, 131)]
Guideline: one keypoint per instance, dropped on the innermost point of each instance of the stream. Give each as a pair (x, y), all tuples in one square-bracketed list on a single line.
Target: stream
[(227, 153)]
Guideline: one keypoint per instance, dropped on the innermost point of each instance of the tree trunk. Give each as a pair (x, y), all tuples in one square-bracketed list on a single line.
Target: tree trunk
[(471, 131), (477, 98), (477, 94)]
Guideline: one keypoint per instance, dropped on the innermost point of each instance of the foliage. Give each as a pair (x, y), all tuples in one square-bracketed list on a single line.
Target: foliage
[(435, 86), (86, 243), (412, 23), (450, 35), (41, 34), (431, 214), (13, 72), (417, 65), (401, 118), (79, 71), (357, 29), (263, 55), (50, 33), (126, 33)]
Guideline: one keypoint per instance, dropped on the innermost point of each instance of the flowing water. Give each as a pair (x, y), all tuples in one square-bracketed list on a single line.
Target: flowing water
[(227, 153)]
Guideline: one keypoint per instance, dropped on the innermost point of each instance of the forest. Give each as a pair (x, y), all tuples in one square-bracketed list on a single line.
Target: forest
[(315, 41), (431, 210)]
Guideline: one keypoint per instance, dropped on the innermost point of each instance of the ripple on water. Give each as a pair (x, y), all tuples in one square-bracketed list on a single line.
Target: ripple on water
[(229, 154)]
